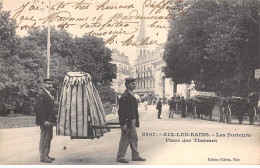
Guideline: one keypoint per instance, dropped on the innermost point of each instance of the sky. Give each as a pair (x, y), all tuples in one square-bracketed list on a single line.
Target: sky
[(36, 12)]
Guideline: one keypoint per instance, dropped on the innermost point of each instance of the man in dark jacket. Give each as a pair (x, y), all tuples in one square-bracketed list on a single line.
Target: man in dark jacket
[(159, 108), (45, 118), (171, 107), (183, 107), (129, 120)]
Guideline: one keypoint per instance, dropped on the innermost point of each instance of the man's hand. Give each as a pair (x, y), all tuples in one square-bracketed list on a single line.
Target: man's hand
[(124, 127), (137, 124), (47, 123)]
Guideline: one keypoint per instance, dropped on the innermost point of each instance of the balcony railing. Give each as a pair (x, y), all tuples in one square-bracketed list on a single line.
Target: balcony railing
[(123, 71), (146, 77)]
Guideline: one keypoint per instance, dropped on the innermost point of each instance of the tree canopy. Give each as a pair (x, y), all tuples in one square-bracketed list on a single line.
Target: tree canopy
[(23, 59), (215, 44), (87, 53)]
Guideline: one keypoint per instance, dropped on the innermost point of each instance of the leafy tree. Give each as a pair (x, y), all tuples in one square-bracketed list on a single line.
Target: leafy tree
[(7, 34), (86, 53), (216, 45), (8, 41), (23, 61), (107, 93), (93, 57)]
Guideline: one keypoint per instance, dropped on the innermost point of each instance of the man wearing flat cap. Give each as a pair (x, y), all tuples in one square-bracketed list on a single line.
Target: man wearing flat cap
[(45, 118), (129, 120)]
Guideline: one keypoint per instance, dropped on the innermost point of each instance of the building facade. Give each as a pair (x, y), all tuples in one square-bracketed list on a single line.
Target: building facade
[(148, 69), (123, 70)]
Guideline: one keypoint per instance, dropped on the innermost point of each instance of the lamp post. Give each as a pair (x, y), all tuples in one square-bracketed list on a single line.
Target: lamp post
[(48, 41)]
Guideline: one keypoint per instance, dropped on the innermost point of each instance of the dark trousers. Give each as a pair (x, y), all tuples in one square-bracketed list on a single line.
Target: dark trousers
[(128, 136), (183, 113), (45, 141), (159, 113), (171, 113)]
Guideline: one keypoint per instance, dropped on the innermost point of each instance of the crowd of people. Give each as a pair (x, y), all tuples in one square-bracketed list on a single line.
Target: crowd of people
[(177, 105), (202, 106)]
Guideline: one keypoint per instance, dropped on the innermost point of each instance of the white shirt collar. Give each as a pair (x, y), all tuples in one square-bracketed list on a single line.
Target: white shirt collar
[(49, 93), (131, 93)]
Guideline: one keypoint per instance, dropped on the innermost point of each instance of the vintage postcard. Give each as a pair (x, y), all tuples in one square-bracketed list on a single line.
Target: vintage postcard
[(130, 82)]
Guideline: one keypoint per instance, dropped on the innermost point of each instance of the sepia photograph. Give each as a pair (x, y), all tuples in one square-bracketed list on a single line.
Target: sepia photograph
[(130, 82)]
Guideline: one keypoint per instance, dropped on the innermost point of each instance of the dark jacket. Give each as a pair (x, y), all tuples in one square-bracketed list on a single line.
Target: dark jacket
[(182, 104), (159, 105), (128, 109), (172, 104), (44, 108)]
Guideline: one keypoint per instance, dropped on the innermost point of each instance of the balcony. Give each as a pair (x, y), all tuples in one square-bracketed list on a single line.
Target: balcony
[(123, 71), (146, 77)]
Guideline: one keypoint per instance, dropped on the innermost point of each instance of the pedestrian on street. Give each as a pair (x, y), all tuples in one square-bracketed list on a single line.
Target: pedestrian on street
[(129, 120), (177, 104), (171, 107), (45, 118), (183, 107), (145, 105), (159, 108)]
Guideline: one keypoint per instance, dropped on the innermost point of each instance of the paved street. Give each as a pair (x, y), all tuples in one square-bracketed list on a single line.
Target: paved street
[(157, 143)]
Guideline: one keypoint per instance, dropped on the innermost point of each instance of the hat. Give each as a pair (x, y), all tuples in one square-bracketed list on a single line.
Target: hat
[(129, 80), (48, 80)]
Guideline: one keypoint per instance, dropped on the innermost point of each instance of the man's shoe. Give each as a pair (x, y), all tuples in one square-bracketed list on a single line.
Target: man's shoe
[(51, 158), (139, 159), (122, 160), (47, 160)]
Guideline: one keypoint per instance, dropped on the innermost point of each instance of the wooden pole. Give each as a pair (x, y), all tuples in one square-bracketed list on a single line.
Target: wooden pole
[(48, 42)]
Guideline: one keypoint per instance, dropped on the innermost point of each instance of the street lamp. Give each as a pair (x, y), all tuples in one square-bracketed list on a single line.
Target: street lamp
[(48, 41)]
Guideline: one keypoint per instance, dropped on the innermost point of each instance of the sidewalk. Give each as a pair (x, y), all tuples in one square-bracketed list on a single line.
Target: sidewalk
[(17, 122), (29, 121)]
